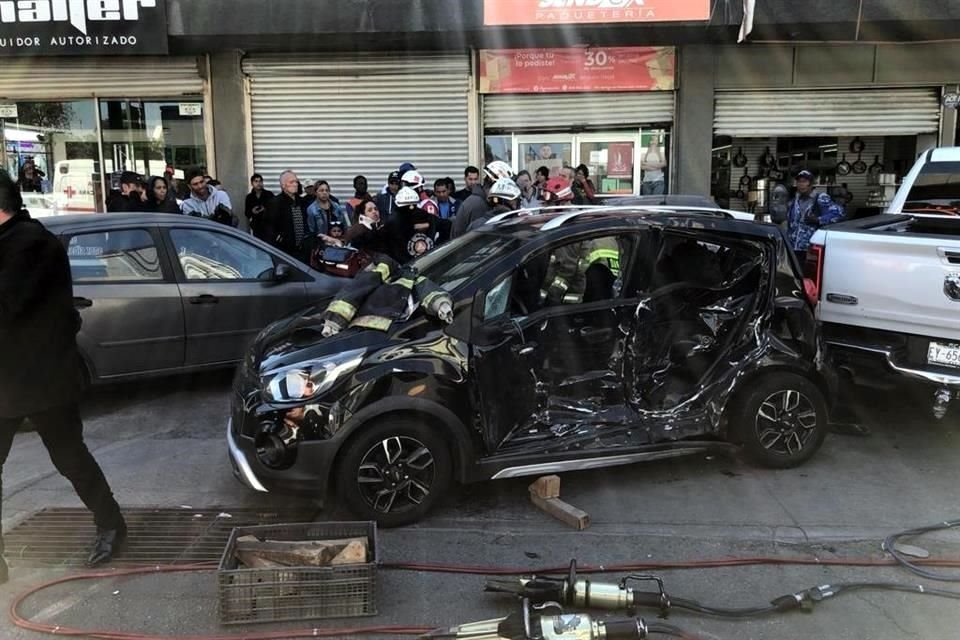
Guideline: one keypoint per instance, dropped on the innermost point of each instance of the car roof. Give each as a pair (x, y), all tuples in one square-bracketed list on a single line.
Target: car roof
[(573, 218), (944, 154), (110, 219)]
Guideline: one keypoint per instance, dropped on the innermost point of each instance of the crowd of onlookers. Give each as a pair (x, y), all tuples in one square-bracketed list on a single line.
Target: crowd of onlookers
[(404, 218)]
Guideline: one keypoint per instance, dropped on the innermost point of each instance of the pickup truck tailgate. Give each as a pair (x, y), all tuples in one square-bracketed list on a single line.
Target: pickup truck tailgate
[(893, 281)]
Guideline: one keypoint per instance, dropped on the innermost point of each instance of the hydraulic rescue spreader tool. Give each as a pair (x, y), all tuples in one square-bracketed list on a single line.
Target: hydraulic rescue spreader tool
[(547, 621), (574, 591)]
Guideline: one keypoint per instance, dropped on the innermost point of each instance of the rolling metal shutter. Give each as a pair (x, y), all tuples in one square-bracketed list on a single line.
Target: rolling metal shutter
[(560, 111), (864, 112), (336, 117), (116, 77)]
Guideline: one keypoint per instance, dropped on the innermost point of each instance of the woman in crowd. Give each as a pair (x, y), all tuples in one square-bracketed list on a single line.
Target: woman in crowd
[(157, 201), (322, 212)]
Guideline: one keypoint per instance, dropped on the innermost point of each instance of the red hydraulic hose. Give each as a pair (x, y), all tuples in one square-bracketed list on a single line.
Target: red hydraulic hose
[(51, 629)]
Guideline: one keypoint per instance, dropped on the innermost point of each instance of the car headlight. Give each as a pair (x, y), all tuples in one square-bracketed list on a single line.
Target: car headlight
[(308, 379)]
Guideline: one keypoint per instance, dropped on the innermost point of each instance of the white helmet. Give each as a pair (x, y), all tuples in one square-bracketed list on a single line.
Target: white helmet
[(498, 169), (406, 197), (413, 179), (505, 189)]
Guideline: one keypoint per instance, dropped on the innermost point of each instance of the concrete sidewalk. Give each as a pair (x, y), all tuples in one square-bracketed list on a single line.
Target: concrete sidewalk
[(162, 445)]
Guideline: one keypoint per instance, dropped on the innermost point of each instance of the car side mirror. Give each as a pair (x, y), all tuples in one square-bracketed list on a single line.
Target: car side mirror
[(281, 273)]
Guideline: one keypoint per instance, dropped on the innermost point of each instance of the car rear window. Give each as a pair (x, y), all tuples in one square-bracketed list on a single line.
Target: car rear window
[(937, 185)]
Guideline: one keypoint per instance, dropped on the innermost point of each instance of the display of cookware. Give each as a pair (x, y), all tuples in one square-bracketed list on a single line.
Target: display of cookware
[(859, 167), (876, 167), (745, 179), (775, 174), (739, 194), (857, 145), (843, 167), (740, 160), (767, 160)]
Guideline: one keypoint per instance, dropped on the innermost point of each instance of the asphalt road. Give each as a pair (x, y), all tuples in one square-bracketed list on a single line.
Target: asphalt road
[(161, 444)]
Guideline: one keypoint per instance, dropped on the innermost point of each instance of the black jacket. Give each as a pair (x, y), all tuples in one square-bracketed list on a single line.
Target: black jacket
[(406, 242), (39, 361), (256, 221), (386, 206), (121, 203), (167, 206), (279, 231)]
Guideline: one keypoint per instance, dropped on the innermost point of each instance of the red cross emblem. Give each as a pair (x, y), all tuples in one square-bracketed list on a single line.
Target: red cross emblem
[(70, 191)]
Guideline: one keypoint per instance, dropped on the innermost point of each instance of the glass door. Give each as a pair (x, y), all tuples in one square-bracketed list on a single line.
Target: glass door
[(551, 151), (612, 160)]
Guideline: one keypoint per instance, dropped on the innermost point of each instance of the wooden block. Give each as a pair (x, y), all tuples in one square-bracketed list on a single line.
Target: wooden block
[(565, 513), (546, 487), (353, 553), (251, 560), (306, 553)]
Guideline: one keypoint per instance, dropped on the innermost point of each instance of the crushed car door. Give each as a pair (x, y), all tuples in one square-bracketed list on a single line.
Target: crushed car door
[(555, 366), (704, 295)]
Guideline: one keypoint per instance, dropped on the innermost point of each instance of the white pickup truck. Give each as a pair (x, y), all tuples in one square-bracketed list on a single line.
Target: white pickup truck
[(888, 287)]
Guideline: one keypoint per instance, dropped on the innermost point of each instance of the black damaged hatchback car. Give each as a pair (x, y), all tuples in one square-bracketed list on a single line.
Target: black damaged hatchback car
[(580, 338)]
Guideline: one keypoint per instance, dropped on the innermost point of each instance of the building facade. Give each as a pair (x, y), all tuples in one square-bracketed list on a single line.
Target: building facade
[(652, 97)]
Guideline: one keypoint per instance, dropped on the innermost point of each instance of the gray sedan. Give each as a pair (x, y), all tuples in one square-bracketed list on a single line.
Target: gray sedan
[(162, 294)]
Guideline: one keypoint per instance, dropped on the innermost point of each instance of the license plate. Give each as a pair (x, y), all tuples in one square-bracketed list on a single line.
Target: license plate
[(945, 354)]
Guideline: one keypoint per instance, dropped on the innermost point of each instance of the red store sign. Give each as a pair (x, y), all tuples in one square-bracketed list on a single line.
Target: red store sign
[(503, 12), (577, 70)]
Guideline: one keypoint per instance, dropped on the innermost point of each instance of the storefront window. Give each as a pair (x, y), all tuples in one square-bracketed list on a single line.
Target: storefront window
[(147, 136), (545, 151), (654, 159), (498, 148), (52, 148), (611, 165)]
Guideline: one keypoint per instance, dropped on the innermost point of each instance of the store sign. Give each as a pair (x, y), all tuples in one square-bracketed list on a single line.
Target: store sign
[(190, 109), (951, 100), (82, 27), (505, 12), (577, 70), (8, 111)]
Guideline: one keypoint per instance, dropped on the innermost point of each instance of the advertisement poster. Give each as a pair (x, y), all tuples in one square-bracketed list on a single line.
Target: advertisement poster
[(620, 160), (577, 70), (506, 12)]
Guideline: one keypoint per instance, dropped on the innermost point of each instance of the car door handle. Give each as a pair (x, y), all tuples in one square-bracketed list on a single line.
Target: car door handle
[(205, 298), (594, 333), (524, 349), (82, 303)]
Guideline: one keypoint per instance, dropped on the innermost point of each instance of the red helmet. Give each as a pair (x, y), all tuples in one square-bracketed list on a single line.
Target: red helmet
[(557, 191), (429, 206)]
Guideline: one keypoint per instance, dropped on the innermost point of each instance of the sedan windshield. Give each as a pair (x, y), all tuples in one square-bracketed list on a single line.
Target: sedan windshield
[(453, 264)]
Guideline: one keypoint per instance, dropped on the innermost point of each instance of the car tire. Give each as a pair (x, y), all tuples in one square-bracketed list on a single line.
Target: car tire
[(781, 420), (394, 471)]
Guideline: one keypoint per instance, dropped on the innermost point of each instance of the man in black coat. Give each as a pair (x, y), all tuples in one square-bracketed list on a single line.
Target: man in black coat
[(285, 226), (40, 365), (255, 207)]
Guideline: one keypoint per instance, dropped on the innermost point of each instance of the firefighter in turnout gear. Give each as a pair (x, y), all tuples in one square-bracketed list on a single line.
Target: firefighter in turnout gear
[(581, 271), (381, 294)]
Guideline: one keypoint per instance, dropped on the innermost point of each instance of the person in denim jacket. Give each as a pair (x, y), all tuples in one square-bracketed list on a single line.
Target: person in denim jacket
[(808, 211)]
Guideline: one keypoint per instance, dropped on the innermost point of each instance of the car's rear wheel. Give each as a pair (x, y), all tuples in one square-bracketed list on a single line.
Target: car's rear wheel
[(394, 471), (781, 420)]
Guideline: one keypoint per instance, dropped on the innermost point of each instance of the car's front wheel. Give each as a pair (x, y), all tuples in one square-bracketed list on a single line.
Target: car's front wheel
[(394, 471), (781, 420)]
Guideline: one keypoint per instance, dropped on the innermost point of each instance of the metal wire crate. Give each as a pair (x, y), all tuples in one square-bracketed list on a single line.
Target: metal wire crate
[(298, 593)]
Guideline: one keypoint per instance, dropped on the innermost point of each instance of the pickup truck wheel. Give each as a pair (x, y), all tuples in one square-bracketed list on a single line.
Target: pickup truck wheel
[(781, 421), (394, 471)]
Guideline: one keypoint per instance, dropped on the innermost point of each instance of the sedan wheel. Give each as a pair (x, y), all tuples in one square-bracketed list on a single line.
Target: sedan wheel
[(393, 471)]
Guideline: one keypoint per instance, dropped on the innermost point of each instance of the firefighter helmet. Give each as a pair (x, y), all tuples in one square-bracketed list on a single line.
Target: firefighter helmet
[(498, 169), (413, 179), (504, 189), (557, 191), (406, 197)]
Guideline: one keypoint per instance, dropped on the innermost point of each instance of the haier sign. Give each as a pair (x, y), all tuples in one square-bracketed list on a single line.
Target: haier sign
[(82, 27)]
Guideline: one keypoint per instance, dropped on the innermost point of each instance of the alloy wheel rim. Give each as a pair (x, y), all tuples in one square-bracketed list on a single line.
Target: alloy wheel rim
[(396, 474), (785, 422)]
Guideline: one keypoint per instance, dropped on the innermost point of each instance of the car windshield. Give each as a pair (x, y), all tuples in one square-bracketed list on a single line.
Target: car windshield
[(453, 264), (936, 189)]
